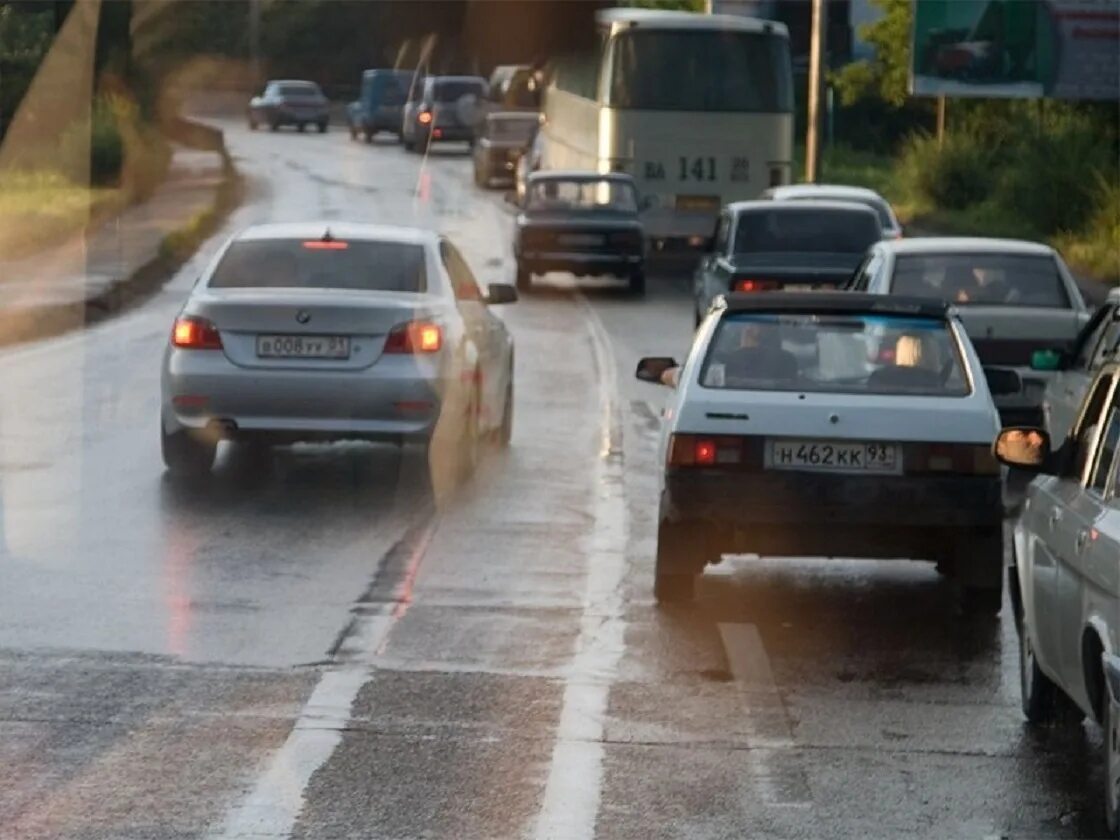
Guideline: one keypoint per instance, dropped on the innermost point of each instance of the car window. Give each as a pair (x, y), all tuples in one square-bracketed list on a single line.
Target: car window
[(462, 279), (806, 229), (452, 91), (302, 90), (1085, 434), (1106, 346), (1106, 451), (582, 194), (981, 279), (1088, 340), (321, 264), (835, 353), (867, 270), (723, 230)]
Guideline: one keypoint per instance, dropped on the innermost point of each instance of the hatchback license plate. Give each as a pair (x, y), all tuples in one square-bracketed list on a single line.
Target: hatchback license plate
[(303, 346), (833, 456)]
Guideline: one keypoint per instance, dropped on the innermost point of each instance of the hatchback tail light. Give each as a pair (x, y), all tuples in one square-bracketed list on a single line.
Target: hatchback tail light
[(957, 458), (414, 337), (424, 117), (190, 333), (751, 284), (704, 451)]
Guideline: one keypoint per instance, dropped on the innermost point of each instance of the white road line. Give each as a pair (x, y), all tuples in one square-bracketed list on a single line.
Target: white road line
[(271, 809), (572, 794), (769, 730)]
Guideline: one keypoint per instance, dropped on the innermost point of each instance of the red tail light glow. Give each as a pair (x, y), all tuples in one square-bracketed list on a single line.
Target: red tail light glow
[(414, 337), (325, 245), (702, 451), (749, 284), (190, 333)]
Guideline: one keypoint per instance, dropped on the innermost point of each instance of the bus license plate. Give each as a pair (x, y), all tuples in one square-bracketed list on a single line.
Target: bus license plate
[(833, 456), (303, 347)]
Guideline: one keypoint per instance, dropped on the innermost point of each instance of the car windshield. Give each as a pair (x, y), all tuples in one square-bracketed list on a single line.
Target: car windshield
[(357, 265), (452, 91), (881, 208), (834, 353), (581, 194), (808, 229), (299, 90), (981, 279)]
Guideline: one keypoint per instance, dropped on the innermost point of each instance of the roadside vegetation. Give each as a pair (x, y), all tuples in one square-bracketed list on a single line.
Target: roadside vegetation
[(1036, 170)]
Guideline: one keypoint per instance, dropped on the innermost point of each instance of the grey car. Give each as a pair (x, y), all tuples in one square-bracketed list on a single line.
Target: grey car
[(290, 102), (502, 141), (442, 108), (762, 246), (329, 331), (1065, 582), (892, 228), (1015, 298)]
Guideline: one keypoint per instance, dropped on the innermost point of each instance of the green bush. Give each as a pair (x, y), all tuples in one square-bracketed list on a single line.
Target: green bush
[(958, 174), (1096, 247)]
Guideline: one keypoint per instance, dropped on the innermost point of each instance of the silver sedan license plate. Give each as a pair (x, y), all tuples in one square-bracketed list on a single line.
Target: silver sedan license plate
[(833, 456), (303, 347)]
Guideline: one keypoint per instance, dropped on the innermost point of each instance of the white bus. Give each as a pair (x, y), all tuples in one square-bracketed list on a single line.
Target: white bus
[(697, 108)]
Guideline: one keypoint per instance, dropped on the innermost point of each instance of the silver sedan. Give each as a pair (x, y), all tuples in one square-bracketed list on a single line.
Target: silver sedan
[(329, 331)]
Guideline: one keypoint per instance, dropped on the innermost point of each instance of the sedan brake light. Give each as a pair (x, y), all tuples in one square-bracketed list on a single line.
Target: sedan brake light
[(191, 333), (414, 337), (750, 284), (704, 451)]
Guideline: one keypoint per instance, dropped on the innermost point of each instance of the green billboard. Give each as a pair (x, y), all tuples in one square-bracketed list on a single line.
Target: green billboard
[(1062, 49)]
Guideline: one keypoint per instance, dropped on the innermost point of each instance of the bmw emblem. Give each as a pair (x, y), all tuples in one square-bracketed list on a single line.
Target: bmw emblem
[(303, 316)]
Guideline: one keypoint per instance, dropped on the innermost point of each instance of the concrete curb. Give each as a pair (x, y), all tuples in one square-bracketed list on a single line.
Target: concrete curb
[(177, 247)]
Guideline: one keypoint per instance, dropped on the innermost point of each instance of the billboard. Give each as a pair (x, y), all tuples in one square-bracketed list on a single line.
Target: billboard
[(1061, 49)]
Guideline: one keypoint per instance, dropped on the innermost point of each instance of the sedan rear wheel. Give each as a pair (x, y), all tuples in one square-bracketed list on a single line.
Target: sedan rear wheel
[(979, 571), (1110, 719), (524, 278), (674, 580), (1038, 692), (185, 453)]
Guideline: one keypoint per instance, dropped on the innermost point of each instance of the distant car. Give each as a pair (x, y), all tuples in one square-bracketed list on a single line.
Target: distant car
[(580, 222), (1065, 582), (502, 140), (892, 228), (442, 108), (1014, 298), (329, 331), (1075, 366), (833, 424), (380, 103), (295, 103), (783, 245)]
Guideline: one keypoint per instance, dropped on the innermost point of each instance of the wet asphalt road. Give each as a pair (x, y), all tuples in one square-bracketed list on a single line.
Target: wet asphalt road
[(307, 645)]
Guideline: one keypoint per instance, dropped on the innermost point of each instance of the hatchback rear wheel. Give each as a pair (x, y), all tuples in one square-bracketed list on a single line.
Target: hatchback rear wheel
[(1038, 693), (1110, 719), (674, 580), (185, 453)]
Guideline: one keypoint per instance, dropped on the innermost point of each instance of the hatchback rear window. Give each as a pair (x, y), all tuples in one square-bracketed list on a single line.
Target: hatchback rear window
[(298, 264), (810, 229), (981, 279), (453, 91), (835, 353), (307, 91)]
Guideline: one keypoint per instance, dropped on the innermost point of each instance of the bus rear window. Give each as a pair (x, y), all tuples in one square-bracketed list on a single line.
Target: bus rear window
[(297, 264), (701, 70)]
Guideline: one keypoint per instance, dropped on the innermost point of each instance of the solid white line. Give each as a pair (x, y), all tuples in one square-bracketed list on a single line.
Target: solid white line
[(271, 809), (570, 806)]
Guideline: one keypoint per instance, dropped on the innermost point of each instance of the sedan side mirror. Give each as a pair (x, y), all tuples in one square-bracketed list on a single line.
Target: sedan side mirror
[(1002, 381), (500, 293), (652, 368), (1022, 447)]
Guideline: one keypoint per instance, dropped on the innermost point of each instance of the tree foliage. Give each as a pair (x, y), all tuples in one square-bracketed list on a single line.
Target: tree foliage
[(886, 76)]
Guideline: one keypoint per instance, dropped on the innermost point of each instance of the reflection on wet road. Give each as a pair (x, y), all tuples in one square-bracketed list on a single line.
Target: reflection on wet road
[(309, 644)]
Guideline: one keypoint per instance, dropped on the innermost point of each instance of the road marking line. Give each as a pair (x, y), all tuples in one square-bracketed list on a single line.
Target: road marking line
[(272, 807), (784, 787), (570, 807)]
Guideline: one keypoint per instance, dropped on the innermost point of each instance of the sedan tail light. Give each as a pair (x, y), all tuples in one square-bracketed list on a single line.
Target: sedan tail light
[(751, 284), (414, 337), (957, 458), (190, 333), (705, 451)]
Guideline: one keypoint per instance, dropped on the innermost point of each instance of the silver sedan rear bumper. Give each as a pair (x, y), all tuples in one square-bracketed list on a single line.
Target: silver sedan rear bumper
[(398, 398)]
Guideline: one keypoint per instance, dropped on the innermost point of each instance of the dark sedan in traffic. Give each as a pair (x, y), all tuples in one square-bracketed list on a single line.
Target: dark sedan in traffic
[(580, 222), (764, 246), (297, 103)]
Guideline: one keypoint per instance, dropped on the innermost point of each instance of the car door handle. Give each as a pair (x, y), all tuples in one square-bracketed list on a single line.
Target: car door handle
[(1055, 518), (1081, 540)]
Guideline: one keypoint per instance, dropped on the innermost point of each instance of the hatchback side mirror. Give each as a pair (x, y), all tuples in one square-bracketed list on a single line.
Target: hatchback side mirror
[(1022, 447), (1002, 381), (500, 293), (652, 368)]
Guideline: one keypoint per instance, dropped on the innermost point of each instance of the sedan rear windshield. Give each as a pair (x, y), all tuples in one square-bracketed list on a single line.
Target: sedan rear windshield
[(882, 210), (511, 129), (305, 91), (297, 264), (835, 353), (584, 194), (981, 279), (806, 230), (453, 91)]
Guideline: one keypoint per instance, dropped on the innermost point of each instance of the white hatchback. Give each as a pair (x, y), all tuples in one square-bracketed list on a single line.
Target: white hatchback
[(831, 424)]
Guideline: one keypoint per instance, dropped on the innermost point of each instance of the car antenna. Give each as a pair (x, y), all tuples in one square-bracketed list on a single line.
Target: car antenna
[(327, 236)]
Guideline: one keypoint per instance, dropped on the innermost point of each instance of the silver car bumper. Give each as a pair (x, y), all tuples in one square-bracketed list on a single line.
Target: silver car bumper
[(396, 398)]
